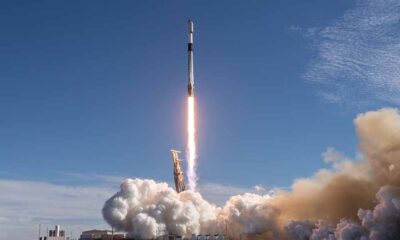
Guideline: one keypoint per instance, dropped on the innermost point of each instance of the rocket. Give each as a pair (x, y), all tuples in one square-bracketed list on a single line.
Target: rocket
[(190, 59)]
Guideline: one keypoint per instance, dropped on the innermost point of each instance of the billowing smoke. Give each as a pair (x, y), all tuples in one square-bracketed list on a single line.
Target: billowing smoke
[(353, 200), (147, 209)]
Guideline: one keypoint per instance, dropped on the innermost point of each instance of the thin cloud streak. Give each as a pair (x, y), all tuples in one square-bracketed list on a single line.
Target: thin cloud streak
[(358, 61), (25, 204)]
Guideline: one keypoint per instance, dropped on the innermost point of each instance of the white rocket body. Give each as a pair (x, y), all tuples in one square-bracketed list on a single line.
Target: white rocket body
[(190, 59)]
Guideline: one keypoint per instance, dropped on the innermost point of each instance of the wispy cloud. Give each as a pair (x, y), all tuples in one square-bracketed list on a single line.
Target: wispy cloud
[(358, 60), (93, 177), (25, 204)]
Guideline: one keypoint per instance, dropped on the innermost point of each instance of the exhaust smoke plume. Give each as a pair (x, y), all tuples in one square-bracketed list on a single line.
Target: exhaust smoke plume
[(353, 200)]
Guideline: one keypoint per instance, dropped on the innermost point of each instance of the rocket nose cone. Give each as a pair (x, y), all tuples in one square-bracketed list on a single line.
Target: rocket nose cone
[(190, 26)]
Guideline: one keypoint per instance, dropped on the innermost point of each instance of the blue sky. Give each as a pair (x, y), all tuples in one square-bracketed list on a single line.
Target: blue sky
[(98, 88)]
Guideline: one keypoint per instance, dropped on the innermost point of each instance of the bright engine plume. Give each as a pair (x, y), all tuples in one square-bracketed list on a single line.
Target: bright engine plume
[(191, 144)]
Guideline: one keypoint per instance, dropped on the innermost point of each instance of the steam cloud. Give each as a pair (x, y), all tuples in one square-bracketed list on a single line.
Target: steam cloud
[(354, 200)]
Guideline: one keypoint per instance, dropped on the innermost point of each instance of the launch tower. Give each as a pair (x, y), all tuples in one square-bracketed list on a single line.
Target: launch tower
[(178, 173)]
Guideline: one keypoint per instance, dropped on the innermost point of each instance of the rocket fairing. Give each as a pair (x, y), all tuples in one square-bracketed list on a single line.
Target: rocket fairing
[(190, 59)]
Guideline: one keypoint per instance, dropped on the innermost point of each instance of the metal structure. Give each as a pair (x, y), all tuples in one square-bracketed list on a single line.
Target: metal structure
[(190, 59), (56, 234), (178, 173)]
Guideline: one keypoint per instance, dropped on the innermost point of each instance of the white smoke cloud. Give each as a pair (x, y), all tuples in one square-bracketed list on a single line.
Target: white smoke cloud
[(147, 209), (299, 230), (349, 230), (323, 231), (353, 200)]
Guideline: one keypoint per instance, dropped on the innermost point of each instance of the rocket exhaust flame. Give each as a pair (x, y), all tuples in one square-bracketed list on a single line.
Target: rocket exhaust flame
[(191, 144)]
